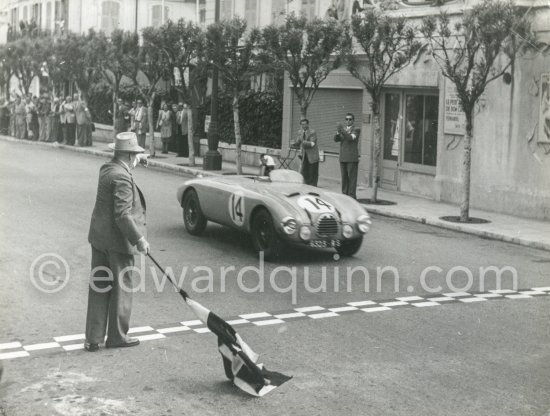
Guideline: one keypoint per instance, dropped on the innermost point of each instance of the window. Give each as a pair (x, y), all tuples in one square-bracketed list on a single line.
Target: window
[(392, 125), (226, 10), (308, 9), (14, 18), (110, 16), (60, 12), (37, 14), (49, 16), (250, 12), (420, 129), (25, 17), (157, 20), (278, 11)]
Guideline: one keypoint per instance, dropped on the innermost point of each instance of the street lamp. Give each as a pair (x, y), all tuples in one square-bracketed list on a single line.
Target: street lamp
[(213, 159)]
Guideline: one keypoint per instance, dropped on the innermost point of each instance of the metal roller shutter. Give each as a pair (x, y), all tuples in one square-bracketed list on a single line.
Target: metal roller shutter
[(328, 108)]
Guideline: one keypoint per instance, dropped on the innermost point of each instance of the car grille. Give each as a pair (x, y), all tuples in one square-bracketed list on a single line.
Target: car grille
[(327, 226)]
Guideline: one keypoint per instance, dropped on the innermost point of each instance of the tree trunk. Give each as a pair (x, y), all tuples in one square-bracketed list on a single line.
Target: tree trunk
[(151, 100), (237, 133), (114, 109), (466, 168), (303, 111), (191, 136), (376, 155)]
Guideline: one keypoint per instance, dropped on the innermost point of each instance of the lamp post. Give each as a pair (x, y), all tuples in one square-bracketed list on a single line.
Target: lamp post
[(213, 159)]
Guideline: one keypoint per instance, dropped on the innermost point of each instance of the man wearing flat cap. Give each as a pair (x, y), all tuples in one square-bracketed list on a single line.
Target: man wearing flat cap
[(117, 233)]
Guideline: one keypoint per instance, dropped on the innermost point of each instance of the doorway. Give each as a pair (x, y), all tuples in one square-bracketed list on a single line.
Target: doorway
[(409, 134)]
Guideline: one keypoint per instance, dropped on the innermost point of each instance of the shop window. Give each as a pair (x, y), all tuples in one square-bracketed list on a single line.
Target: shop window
[(420, 129), (392, 126), (308, 9), (110, 16)]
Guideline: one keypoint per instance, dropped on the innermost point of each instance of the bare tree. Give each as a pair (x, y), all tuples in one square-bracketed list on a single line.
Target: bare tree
[(474, 51), (389, 45)]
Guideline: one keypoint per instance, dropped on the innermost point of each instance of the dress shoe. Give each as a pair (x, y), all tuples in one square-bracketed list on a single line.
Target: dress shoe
[(91, 347), (131, 342)]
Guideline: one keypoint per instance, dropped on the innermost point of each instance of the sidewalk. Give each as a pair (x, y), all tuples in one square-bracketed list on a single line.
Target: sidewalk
[(508, 228)]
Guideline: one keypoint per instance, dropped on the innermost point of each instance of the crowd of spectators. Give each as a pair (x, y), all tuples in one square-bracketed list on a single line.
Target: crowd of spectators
[(45, 119)]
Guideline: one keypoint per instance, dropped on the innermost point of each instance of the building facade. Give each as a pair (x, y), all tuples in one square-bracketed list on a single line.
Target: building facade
[(422, 127)]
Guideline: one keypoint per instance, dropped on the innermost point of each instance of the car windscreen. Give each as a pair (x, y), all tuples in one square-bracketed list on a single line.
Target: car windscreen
[(286, 175)]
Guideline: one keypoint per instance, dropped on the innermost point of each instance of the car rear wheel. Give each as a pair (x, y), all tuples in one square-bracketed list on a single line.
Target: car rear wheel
[(194, 219), (349, 247), (264, 236)]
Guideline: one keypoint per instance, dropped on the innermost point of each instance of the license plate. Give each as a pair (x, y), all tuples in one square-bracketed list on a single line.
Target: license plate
[(324, 243)]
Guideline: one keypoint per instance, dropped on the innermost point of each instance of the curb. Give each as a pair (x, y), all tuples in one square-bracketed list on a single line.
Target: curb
[(160, 166), (461, 228), (166, 167)]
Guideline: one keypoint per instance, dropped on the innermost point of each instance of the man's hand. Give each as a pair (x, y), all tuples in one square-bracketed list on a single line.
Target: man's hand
[(142, 159), (143, 246)]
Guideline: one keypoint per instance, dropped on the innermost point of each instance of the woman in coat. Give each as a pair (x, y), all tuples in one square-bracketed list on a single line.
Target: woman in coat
[(165, 124)]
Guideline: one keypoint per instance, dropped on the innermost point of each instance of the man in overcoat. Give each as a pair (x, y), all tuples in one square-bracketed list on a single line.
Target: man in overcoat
[(117, 233), (348, 137)]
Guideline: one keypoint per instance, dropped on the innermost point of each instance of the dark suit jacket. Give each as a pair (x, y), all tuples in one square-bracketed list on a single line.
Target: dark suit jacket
[(118, 219), (349, 147), (308, 144)]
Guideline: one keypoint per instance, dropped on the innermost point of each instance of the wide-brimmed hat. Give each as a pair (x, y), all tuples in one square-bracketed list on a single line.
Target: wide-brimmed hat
[(126, 142)]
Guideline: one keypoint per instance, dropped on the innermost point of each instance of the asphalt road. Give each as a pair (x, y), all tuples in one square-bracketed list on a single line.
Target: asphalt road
[(406, 357)]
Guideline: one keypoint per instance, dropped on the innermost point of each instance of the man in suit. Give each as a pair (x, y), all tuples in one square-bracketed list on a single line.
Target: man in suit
[(141, 123), (117, 233), (348, 137), (307, 141)]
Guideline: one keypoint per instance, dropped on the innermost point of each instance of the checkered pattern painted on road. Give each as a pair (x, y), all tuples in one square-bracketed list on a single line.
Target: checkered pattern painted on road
[(15, 349)]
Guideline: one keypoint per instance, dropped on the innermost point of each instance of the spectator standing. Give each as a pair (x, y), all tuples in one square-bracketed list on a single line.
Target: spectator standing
[(4, 116), (70, 121), (307, 142), (29, 117), (348, 137), (356, 8), (132, 115), (83, 124), (141, 122), (267, 164), (183, 124), (174, 143), (54, 134), (12, 117), (20, 119), (122, 117), (43, 117), (164, 123)]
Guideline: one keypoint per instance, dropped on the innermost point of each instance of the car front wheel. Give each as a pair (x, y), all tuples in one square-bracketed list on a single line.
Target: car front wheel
[(264, 236), (194, 219), (349, 247)]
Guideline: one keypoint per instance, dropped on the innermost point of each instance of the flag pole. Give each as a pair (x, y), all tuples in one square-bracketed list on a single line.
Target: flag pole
[(182, 292)]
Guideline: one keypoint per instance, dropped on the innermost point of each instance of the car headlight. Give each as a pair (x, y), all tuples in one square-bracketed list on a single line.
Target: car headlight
[(347, 230), (305, 232), (363, 223), (289, 225)]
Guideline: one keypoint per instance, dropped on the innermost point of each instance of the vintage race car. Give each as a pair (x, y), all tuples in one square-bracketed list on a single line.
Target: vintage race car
[(276, 211)]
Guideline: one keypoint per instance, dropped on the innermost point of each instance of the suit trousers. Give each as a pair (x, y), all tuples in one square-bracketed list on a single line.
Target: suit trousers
[(349, 178), (109, 297), (141, 139), (310, 171)]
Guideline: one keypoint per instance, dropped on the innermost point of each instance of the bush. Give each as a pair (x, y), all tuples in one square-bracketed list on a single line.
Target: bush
[(260, 113)]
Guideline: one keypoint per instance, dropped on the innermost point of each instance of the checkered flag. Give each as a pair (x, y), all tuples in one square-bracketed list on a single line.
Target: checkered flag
[(239, 360)]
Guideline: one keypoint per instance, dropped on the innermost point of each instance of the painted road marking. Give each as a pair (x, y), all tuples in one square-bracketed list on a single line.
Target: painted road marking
[(65, 338), (15, 349), (43, 346), (10, 345)]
